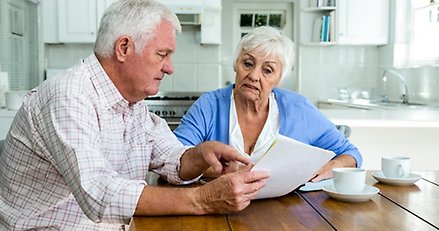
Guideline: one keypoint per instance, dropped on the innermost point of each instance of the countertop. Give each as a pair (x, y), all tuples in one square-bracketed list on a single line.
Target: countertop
[(375, 105), (384, 118)]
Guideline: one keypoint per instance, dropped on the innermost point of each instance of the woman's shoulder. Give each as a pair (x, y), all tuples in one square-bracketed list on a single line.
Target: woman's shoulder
[(292, 97)]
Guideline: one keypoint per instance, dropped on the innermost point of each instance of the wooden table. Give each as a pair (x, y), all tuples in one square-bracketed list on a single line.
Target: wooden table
[(414, 207)]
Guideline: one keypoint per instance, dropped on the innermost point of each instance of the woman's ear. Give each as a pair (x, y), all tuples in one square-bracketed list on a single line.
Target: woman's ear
[(123, 48)]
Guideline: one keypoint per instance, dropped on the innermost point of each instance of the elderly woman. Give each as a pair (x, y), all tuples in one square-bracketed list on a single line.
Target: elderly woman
[(249, 114)]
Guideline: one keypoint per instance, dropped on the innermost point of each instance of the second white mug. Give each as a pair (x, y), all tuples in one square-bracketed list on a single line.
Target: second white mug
[(395, 167)]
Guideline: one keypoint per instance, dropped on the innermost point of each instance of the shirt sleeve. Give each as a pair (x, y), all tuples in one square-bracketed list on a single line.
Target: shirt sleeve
[(324, 134), (167, 152)]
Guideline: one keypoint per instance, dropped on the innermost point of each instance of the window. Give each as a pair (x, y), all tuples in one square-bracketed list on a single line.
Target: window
[(249, 16), (250, 20), (424, 38), (19, 43)]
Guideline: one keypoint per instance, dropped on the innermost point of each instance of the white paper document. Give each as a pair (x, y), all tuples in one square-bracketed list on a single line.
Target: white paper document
[(290, 163)]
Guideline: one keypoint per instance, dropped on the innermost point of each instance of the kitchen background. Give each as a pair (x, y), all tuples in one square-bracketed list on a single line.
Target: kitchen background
[(39, 38)]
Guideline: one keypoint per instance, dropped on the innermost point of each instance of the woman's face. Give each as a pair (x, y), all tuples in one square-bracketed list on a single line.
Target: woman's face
[(256, 74)]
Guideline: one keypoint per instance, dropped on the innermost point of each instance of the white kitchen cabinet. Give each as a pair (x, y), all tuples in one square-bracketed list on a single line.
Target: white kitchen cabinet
[(363, 22), (74, 21), (49, 18), (351, 22), (77, 20)]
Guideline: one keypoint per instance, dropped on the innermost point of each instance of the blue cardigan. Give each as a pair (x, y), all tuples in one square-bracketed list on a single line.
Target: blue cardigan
[(208, 120)]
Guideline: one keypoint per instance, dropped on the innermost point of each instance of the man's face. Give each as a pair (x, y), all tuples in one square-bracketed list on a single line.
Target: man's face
[(146, 70)]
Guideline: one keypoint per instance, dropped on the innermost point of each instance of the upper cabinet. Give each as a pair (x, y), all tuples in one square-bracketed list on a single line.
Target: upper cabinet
[(72, 21), (77, 21), (344, 22), (363, 22)]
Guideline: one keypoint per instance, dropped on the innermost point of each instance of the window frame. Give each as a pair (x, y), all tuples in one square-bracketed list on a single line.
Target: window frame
[(262, 8), (419, 42)]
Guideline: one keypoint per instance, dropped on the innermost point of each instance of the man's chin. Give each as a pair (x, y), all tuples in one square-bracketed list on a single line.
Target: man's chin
[(150, 92)]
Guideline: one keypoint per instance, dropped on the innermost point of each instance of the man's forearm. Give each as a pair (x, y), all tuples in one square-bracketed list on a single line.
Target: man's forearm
[(168, 201)]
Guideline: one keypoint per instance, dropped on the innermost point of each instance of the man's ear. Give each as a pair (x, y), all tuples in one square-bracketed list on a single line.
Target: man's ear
[(123, 48)]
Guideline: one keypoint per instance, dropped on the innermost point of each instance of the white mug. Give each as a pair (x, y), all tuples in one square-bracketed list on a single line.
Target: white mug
[(349, 180), (395, 167)]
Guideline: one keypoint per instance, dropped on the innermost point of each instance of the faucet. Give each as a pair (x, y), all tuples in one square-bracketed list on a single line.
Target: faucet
[(400, 77)]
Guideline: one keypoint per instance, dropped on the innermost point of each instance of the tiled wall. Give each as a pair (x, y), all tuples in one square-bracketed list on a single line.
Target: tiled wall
[(422, 84), (326, 69), (197, 67)]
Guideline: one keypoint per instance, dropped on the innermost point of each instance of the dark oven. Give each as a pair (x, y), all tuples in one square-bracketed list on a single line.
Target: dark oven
[(171, 106)]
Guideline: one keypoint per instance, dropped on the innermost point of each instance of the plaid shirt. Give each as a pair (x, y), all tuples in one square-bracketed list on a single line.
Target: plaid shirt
[(77, 155)]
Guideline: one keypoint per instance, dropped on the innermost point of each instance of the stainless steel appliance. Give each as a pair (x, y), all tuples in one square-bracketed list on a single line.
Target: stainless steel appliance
[(171, 106)]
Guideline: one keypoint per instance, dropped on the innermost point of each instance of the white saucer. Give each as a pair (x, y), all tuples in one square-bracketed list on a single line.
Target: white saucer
[(411, 179), (365, 195)]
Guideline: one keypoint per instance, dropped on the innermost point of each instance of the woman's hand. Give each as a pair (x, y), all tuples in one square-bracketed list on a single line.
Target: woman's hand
[(325, 171)]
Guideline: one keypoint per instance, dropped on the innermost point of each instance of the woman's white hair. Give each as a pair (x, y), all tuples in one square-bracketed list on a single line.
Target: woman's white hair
[(272, 43), (137, 19)]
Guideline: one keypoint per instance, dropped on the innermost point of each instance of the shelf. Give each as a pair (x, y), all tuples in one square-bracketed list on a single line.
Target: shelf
[(319, 43), (314, 9), (351, 22)]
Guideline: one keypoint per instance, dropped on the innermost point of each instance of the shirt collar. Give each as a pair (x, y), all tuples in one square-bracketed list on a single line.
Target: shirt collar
[(105, 88)]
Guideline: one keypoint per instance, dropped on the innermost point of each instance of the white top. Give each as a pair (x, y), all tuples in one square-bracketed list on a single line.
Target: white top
[(268, 133)]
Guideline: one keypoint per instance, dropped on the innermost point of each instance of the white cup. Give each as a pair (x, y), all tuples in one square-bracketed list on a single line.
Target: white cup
[(395, 167), (349, 180)]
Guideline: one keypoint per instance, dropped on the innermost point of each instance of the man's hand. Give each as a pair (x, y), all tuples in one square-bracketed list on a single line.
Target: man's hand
[(230, 192), (219, 156), (325, 171)]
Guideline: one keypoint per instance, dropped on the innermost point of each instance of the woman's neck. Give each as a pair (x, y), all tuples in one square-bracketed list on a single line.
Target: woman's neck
[(245, 106)]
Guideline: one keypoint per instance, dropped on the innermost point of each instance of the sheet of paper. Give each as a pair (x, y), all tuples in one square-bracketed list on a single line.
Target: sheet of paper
[(291, 164)]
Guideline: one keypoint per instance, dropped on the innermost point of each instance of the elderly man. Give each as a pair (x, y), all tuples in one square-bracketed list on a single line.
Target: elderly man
[(79, 149)]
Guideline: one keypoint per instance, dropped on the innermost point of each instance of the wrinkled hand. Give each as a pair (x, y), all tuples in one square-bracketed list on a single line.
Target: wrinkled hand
[(325, 171), (222, 158), (231, 192), (234, 166)]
